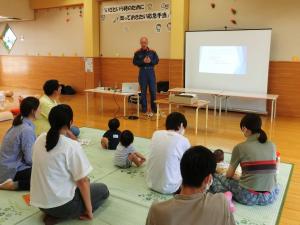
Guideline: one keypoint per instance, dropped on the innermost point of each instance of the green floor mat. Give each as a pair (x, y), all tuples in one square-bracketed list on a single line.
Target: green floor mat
[(130, 198), (130, 184), (114, 211), (13, 208)]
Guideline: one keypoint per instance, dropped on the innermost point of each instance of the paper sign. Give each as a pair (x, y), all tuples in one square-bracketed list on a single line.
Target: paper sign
[(88, 65), (144, 16), (124, 8)]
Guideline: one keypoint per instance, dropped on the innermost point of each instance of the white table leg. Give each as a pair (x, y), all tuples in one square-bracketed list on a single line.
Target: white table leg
[(272, 111), (157, 116), (87, 102), (275, 108), (206, 116), (101, 104), (196, 123), (220, 106), (124, 105), (138, 105), (215, 105), (226, 104)]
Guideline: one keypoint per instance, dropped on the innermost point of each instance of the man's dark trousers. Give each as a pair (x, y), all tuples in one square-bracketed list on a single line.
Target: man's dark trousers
[(147, 78)]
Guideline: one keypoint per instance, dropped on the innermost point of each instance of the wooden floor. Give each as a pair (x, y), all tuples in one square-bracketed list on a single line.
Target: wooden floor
[(222, 133)]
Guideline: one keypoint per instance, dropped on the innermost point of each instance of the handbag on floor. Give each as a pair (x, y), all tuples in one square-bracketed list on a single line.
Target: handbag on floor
[(67, 90)]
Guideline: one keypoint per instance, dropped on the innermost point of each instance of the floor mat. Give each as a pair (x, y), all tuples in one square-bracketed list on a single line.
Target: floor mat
[(130, 198)]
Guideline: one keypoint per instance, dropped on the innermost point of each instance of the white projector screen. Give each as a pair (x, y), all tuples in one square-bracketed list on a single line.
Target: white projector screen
[(233, 60)]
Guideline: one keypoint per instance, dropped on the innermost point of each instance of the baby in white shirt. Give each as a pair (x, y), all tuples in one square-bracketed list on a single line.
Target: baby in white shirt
[(223, 166)]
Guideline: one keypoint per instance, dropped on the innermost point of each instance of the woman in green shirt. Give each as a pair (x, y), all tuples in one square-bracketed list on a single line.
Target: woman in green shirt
[(52, 90), (257, 158)]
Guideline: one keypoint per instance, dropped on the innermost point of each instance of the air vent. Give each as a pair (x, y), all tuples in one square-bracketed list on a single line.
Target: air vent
[(7, 19), (15, 10)]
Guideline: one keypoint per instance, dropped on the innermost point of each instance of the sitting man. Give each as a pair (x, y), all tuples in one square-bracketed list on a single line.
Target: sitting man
[(167, 148), (52, 90), (193, 206)]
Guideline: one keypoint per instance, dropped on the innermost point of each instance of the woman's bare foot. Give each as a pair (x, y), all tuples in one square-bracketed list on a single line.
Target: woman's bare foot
[(8, 185)]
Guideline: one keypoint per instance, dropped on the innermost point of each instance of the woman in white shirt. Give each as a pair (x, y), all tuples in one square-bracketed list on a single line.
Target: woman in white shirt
[(59, 183)]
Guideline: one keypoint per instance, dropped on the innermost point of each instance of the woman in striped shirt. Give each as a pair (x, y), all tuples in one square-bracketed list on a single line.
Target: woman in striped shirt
[(257, 158)]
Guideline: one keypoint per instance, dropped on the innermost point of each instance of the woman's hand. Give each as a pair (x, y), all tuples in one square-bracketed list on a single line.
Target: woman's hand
[(84, 187), (88, 215), (230, 172)]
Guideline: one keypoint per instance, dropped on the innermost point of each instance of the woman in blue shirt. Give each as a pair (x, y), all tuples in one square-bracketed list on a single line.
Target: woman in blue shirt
[(16, 148)]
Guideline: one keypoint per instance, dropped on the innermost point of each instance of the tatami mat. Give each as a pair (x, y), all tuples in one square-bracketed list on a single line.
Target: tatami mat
[(130, 198)]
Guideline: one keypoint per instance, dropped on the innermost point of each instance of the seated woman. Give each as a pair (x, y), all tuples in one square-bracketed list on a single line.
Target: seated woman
[(16, 148), (59, 183), (257, 158), (52, 91)]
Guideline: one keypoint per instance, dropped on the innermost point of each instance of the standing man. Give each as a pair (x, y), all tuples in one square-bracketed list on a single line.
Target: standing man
[(146, 58)]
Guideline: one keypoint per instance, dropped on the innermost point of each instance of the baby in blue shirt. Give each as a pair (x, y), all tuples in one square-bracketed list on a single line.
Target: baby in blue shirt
[(125, 153)]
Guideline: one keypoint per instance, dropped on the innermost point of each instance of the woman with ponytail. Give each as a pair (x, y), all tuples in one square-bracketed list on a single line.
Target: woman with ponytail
[(59, 183), (16, 148), (257, 158)]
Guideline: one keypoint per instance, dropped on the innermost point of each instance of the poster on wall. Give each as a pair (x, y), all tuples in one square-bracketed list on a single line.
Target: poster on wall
[(145, 16), (149, 6), (88, 65), (8, 38), (136, 12), (158, 28), (124, 8), (169, 27), (165, 6)]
